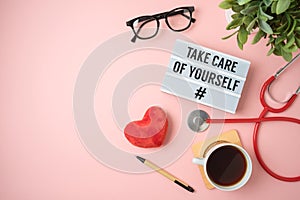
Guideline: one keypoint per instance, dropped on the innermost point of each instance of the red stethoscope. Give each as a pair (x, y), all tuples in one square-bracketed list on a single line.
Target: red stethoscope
[(262, 118)]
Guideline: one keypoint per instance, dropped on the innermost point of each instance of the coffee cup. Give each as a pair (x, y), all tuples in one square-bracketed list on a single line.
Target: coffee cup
[(226, 166)]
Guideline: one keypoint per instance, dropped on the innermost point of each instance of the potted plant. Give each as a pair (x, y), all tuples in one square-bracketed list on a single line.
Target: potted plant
[(278, 21)]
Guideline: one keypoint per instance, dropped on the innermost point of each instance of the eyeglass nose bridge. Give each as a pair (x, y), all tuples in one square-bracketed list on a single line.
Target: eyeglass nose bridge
[(160, 15)]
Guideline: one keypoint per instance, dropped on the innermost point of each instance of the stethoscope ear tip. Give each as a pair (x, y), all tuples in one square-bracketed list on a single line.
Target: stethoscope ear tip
[(298, 90), (197, 121)]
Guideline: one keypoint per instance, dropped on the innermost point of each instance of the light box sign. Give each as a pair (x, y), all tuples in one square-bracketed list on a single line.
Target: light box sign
[(205, 76)]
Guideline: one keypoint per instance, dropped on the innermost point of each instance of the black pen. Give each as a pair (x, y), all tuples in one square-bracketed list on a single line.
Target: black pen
[(165, 174)]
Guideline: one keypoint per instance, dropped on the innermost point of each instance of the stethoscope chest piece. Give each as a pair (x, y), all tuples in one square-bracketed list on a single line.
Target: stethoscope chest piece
[(197, 121)]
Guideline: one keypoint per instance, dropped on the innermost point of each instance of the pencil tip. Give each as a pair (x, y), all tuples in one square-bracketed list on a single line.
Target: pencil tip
[(141, 159), (191, 189)]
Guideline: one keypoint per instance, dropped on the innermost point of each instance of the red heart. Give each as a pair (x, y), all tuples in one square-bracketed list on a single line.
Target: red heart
[(150, 131)]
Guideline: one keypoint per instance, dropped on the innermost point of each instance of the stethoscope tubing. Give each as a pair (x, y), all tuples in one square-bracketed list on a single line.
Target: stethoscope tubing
[(253, 120), (262, 118), (259, 157)]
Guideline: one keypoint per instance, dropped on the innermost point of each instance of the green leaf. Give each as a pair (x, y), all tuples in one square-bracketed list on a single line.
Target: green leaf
[(289, 21), (234, 23), (271, 40), (291, 41), (286, 55), (265, 27), (225, 5), (282, 27), (294, 48), (270, 51), (297, 42), (282, 6), (265, 15), (240, 45), (247, 20), (294, 12), (224, 38), (277, 52), (291, 49), (273, 7), (243, 2), (258, 36), (236, 15), (237, 8), (243, 35), (263, 18), (280, 39), (249, 10), (251, 25), (267, 2), (293, 27)]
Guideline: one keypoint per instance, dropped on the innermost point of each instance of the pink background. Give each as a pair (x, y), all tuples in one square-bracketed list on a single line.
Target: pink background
[(43, 45)]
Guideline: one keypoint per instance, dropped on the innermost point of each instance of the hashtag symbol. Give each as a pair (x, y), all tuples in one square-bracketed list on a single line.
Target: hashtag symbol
[(200, 93)]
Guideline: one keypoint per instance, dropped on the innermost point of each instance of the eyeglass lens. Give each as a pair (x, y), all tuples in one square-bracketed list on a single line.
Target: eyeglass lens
[(179, 19), (146, 27)]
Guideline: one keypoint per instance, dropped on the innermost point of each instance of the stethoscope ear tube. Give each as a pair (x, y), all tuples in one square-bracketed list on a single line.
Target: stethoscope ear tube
[(286, 66), (265, 90)]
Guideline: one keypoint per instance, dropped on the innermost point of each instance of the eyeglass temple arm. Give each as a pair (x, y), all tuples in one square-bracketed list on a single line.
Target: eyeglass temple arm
[(133, 39)]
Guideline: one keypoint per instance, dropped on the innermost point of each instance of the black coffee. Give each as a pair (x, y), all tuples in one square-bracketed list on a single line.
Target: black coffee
[(226, 166)]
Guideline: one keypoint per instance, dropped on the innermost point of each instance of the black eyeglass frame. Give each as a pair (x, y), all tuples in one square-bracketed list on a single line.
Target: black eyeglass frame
[(159, 16)]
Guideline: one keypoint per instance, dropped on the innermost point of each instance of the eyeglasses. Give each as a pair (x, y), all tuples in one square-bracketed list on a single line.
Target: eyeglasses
[(146, 27)]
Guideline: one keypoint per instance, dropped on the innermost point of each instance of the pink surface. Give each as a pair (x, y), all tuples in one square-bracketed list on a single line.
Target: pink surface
[(43, 46)]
